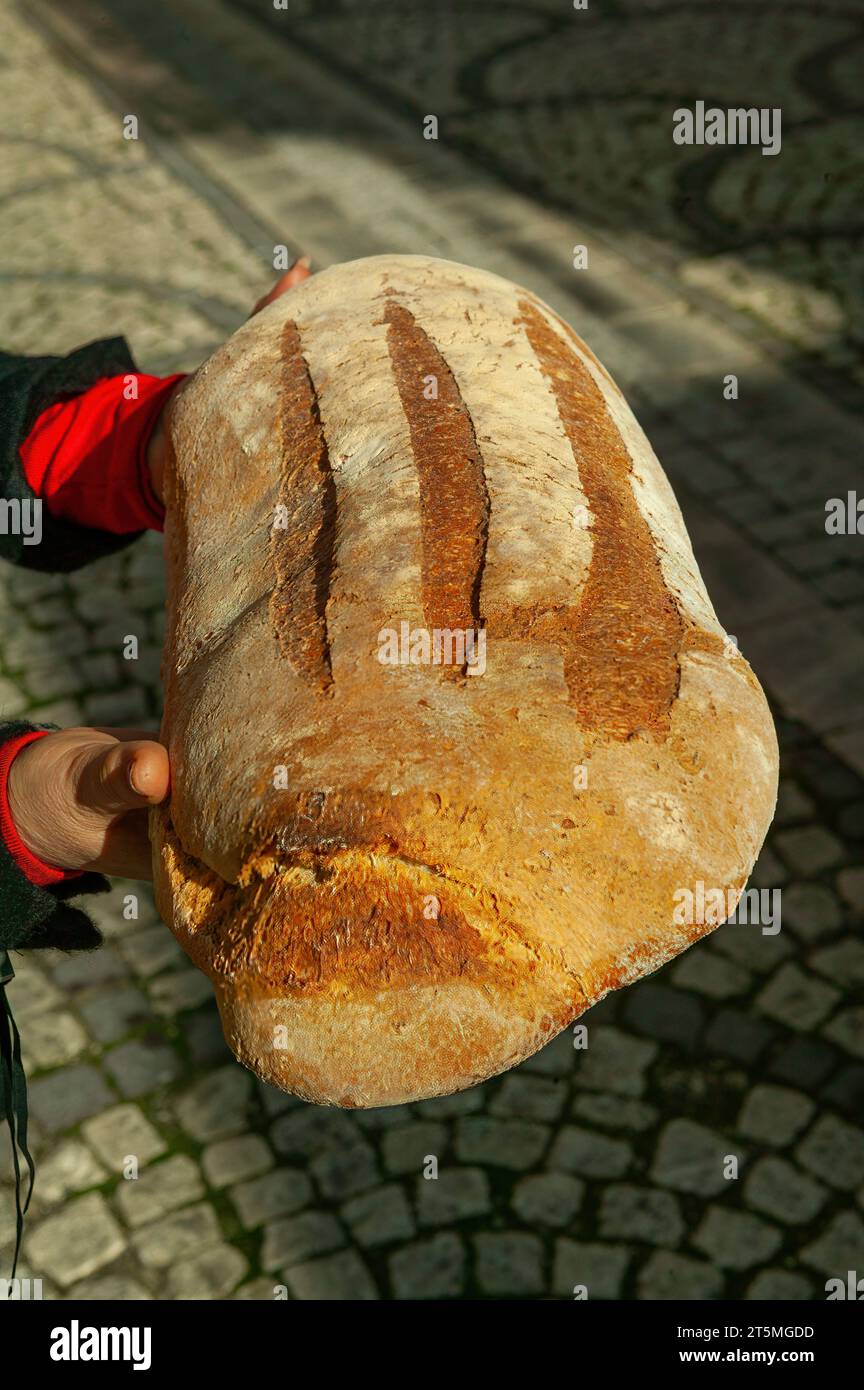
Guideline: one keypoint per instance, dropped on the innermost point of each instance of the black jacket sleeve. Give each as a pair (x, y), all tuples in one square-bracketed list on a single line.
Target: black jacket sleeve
[(31, 918), (28, 385), (34, 917)]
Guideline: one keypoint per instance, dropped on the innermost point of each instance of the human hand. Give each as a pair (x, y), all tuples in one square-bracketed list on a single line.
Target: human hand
[(79, 798), (300, 271)]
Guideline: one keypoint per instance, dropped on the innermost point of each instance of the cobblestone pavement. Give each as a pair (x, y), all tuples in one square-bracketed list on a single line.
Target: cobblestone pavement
[(577, 107), (601, 1167)]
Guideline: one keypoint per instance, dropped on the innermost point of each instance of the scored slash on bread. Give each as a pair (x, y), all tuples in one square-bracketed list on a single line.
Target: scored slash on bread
[(429, 896)]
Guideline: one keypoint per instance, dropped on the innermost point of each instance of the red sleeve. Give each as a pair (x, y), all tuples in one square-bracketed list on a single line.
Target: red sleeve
[(86, 457), (33, 868)]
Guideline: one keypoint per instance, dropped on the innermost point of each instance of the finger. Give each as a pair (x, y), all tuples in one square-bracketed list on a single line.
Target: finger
[(125, 735), (300, 271), (148, 771), (122, 777), (126, 848)]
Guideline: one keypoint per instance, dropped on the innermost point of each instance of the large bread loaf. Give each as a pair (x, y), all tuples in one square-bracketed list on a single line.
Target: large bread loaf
[(405, 874)]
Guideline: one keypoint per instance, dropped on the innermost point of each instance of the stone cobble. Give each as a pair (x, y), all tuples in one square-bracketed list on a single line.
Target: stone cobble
[(744, 228), (707, 1142)]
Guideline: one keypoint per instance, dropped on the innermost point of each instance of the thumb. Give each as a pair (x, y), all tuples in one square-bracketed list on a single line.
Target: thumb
[(122, 777)]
